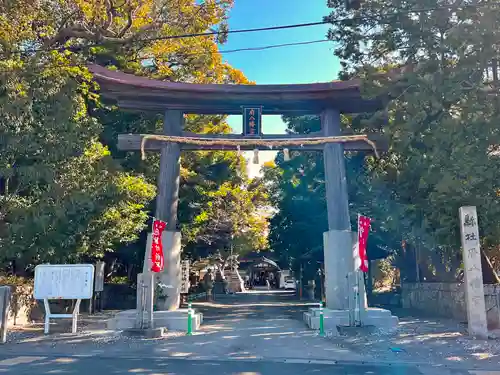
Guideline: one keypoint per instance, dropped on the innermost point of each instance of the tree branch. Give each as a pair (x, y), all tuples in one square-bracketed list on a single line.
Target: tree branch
[(130, 18), (110, 6)]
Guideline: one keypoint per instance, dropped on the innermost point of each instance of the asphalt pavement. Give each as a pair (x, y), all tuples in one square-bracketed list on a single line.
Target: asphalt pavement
[(38, 365)]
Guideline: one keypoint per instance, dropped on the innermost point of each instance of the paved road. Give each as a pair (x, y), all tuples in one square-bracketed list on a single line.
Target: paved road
[(105, 365), (251, 334)]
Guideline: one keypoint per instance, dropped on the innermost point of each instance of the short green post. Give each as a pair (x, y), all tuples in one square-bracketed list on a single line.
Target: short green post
[(190, 321), (321, 320)]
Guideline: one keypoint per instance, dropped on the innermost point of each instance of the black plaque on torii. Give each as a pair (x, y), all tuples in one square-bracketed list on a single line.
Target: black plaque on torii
[(252, 121)]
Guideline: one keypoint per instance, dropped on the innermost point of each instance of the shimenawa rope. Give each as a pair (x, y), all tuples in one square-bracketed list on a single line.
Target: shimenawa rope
[(270, 143)]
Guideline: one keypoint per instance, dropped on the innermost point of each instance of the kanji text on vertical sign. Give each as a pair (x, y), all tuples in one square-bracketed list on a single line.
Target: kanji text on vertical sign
[(474, 292), (363, 230), (184, 276), (157, 258), (252, 121)]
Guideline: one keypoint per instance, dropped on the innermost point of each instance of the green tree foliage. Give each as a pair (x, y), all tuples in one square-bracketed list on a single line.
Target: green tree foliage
[(66, 193), (297, 192), (62, 196), (231, 220), (439, 68)]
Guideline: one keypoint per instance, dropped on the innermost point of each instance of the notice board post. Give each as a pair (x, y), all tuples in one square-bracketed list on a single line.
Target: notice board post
[(5, 294), (63, 281)]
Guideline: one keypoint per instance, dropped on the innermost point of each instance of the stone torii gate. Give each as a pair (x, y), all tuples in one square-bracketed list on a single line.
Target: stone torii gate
[(329, 100)]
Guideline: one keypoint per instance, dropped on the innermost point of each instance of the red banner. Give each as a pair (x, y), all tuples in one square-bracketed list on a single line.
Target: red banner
[(157, 259), (363, 230)]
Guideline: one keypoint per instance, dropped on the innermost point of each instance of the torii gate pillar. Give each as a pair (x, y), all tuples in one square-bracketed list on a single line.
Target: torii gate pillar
[(338, 240), (167, 200), (340, 279)]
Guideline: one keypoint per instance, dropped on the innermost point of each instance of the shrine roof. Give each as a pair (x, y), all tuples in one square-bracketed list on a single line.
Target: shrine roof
[(145, 94)]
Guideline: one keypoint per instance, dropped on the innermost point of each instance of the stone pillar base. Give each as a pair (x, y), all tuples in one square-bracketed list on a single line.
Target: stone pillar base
[(170, 277), (339, 263), (381, 319), (172, 320)]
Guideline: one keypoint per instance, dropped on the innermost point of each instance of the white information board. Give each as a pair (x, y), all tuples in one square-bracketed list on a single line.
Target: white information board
[(64, 281)]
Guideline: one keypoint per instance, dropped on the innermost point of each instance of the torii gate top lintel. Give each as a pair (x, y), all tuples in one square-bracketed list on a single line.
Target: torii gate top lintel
[(144, 94)]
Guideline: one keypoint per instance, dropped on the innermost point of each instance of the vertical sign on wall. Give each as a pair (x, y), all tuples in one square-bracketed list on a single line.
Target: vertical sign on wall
[(474, 293), (252, 120), (184, 276)]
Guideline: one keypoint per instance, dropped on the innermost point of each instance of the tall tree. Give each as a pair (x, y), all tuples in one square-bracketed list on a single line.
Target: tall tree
[(65, 191), (231, 223), (297, 192), (436, 61)]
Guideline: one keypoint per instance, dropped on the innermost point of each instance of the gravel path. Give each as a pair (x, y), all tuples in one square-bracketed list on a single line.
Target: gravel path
[(425, 341)]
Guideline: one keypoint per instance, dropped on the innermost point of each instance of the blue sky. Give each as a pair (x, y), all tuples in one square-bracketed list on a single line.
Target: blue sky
[(293, 64)]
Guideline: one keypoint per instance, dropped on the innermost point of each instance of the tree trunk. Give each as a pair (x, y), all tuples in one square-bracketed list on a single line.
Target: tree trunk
[(489, 274)]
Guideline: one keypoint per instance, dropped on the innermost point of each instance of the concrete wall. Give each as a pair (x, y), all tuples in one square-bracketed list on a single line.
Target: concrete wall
[(448, 300), (23, 308), (118, 297)]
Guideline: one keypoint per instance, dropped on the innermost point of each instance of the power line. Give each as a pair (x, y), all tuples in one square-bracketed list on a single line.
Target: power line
[(238, 31), (261, 29), (246, 49), (182, 36), (271, 46)]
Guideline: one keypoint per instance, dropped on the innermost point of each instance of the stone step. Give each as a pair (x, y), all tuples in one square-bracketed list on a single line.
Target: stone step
[(307, 318), (172, 320), (314, 311), (373, 311), (329, 324), (376, 312), (379, 318)]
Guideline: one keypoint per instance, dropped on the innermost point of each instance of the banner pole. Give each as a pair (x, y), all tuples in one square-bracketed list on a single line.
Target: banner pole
[(151, 292)]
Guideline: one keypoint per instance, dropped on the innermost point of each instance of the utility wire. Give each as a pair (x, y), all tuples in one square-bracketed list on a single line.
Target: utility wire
[(180, 36), (245, 49), (259, 48), (238, 31), (261, 29), (308, 24), (274, 46)]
